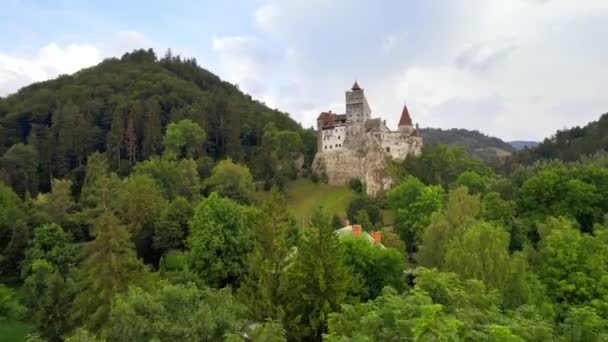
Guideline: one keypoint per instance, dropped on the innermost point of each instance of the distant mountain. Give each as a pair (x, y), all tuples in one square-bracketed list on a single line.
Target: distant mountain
[(486, 148), (521, 144), (570, 144)]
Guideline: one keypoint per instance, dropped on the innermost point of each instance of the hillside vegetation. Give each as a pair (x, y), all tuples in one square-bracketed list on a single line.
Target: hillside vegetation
[(122, 107), (570, 144), (477, 144)]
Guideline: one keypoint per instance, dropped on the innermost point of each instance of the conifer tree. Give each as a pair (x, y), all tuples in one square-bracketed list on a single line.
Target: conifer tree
[(110, 265), (261, 287), (319, 281)]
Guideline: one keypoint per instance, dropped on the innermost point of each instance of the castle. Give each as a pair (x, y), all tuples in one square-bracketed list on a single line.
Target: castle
[(355, 145)]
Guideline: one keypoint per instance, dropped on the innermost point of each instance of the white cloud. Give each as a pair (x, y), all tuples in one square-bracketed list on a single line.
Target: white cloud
[(20, 69), (516, 69), (50, 61)]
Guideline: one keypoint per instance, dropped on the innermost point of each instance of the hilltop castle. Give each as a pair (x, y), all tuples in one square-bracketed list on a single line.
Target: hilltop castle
[(355, 145)]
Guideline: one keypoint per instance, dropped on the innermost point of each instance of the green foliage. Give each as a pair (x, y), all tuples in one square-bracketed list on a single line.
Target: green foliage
[(171, 229), (10, 307), (174, 177), (459, 213), (441, 165), (231, 180), (584, 324), (393, 317), (14, 232), (369, 206), (184, 139), (221, 235), (476, 183), (53, 245), (572, 265), (318, 281), (263, 284), (374, 265), (109, 267), (174, 313), (49, 295), (481, 252), (413, 204), (552, 191), (20, 162), (355, 185), (122, 106)]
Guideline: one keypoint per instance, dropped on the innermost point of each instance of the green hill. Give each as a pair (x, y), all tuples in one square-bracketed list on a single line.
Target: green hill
[(570, 144), (121, 106), (477, 144)]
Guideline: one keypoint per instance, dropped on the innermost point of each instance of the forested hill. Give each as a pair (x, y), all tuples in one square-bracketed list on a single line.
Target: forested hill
[(476, 143), (123, 105), (570, 144)]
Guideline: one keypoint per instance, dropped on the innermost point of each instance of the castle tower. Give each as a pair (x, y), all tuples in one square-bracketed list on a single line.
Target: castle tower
[(357, 108), (405, 122)]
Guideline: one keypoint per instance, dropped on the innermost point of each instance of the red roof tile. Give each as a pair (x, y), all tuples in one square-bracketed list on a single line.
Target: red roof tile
[(405, 120)]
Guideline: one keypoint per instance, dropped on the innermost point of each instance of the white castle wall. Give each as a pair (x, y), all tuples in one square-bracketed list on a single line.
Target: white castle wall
[(333, 138)]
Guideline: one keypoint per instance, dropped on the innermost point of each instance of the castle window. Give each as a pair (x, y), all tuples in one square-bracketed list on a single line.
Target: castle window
[(338, 137), (388, 149)]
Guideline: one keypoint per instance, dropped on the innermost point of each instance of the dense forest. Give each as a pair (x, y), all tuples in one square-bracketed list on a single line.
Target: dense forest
[(143, 200), (122, 107), (477, 144), (570, 144)]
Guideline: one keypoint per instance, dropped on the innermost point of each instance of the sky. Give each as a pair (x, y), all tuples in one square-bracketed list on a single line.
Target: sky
[(516, 69)]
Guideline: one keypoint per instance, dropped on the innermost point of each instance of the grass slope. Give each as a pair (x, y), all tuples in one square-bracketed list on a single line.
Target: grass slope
[(14, 331), (304, 196)]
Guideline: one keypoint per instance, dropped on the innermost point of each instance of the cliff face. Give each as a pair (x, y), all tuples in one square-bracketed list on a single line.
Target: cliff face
[(362, 158)]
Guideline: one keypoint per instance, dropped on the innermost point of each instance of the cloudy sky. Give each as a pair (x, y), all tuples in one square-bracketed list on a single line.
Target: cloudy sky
[(516, 69)]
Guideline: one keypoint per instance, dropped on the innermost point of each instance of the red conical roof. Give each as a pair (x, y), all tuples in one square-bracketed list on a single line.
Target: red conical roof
[(405, 120), (356, 86)]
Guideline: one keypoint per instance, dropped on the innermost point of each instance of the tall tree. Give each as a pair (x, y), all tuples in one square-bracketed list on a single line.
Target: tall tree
[(413, 204), (262, 285), (184, 139), (221, 236), (109, 267), (318, 282), (231, 180), (460, 212)]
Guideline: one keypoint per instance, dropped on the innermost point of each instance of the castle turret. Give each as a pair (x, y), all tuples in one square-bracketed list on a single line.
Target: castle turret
[(357, 108), (405, 122)]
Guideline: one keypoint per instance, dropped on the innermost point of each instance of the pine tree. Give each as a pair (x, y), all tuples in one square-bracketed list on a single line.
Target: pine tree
[(131, 141), (109, 267), (261, 287), (319, 281), (152, 134)]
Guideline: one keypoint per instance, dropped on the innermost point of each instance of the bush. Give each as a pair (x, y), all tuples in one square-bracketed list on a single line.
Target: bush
[(355, 185), (368, 205)]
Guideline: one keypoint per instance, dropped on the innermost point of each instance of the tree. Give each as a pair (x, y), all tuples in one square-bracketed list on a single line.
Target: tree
[(367, 204), (172, 227), (14, 231), (584, 324), (263, 284), (49, 295), (375, 266), (10, 308), (175, 178), (459, 213), (109, 267), (221, 235), (413, 204), (318, 281), (52, 244), (482, 252), (138, 204), (231, 180), (97, 168), (175, 313), (57, 206), (20, 161), (476, 183), (184, 139), (393, 317), (571, 264)]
